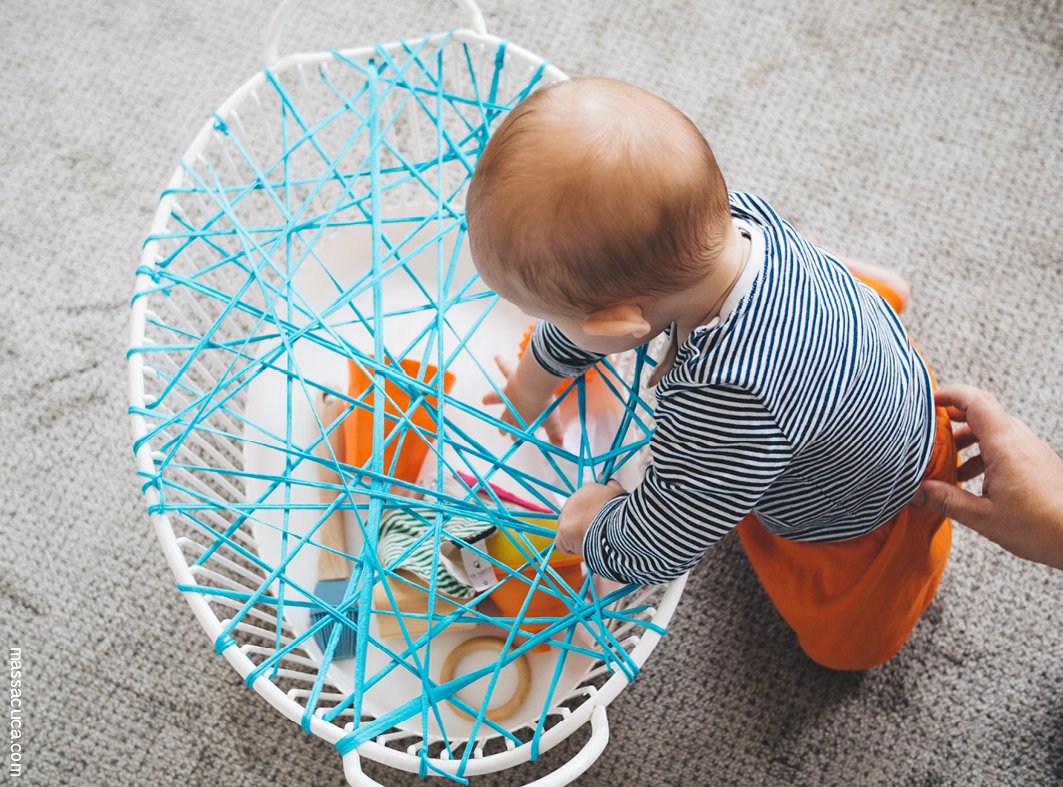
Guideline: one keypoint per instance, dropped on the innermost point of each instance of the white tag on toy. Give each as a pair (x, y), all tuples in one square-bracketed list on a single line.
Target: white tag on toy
[(481, 574)]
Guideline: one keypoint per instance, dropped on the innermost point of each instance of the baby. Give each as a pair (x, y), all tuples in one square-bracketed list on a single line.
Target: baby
[(791, 405)]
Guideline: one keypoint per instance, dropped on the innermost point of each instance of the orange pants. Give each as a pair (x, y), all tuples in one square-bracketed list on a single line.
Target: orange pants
[(854, 603)]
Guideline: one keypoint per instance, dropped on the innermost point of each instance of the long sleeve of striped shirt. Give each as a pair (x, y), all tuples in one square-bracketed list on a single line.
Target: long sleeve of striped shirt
[(804, 402), (715, 452), (556, 353)]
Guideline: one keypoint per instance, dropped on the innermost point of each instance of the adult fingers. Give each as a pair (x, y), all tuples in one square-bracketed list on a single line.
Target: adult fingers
[(958, 396), (492, 397), (956, 415), (951, 501), (964, 437), (978, 408), (972, 468)]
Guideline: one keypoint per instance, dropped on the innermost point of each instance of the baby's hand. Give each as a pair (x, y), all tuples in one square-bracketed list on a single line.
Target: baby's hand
[(528, 390), (579, 511)]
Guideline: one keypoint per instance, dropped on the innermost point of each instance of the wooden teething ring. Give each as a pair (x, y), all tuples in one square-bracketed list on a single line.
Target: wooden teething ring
[(503, 712)]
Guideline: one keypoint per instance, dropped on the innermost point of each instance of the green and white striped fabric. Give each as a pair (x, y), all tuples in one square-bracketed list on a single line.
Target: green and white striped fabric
[(399, 529)]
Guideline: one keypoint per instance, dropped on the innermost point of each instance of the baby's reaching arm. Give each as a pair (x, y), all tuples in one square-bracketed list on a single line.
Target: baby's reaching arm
[(528, 390), (531, 383), (715, 452)]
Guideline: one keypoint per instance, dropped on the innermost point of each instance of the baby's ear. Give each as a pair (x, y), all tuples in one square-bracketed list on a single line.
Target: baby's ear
[(626, 319)]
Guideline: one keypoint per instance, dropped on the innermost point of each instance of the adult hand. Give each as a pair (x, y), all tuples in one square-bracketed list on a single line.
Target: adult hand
[(1021, 505), (579, 511)]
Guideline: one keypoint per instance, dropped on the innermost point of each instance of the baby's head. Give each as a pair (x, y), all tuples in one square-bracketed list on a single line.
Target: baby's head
[(595, 193)]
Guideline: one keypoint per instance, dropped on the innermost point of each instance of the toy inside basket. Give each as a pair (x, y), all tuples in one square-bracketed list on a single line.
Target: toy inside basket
[(312, 244)]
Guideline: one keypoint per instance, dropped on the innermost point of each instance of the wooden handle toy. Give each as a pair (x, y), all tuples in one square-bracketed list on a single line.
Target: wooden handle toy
[(510, 706), (333, 570), (331, 534)]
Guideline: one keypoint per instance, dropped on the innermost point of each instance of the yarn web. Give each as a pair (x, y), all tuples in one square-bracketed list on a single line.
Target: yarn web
[(347, 147)]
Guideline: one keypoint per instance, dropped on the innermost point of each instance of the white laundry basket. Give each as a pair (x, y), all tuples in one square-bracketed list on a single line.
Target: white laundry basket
[(317, 217)]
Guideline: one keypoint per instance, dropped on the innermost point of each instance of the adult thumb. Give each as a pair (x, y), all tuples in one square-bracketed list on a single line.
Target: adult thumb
[(951, 501)]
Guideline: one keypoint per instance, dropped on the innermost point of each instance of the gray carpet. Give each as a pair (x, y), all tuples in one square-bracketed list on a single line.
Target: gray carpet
[(922, 135)]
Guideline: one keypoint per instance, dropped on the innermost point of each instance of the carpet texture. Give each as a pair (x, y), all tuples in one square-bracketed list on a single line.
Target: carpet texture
[(925, 136)]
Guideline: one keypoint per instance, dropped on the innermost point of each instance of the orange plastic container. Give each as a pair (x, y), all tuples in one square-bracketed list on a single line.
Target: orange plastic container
[(358, 427), (509, 597)]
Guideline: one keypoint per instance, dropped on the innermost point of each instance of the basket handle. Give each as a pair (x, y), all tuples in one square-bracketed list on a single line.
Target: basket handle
[(287, 8), (352, 770), (566, 774), (586, 757)]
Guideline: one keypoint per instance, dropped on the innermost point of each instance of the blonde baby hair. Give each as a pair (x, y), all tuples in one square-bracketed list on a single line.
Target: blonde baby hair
[(594, 192)]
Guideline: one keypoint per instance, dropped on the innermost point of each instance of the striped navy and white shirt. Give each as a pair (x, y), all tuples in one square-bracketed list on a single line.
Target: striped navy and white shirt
[(804, 401)]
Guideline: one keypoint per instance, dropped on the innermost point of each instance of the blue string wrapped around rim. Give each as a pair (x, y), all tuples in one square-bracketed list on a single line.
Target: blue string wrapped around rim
[(243, 290)]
